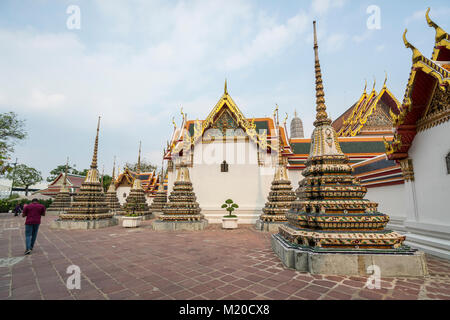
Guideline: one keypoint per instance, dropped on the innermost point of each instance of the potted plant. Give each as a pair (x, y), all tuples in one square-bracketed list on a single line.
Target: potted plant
[(230, 221), (132, 220)]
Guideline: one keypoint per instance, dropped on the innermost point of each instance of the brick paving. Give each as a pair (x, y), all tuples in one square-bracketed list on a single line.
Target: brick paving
[(119, 263)]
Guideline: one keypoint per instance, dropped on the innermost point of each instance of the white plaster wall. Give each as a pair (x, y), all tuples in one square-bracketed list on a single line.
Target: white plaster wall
[(120, 191), (432, 183), (391, 201), (245, 182)]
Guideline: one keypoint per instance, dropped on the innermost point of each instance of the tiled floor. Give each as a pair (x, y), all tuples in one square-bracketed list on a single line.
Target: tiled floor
[(118, 263)]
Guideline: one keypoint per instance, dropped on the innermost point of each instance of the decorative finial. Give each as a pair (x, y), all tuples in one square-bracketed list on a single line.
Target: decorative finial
[(285, 119), (440, 33), (225, 91), (113, 178), (365, 86), (295, 113), (139, 160), (321, 109), (94, 157), (174, 124), (183, 114), (65, 172), (374, 83), (416, 53), (275, 114), (385, 80)]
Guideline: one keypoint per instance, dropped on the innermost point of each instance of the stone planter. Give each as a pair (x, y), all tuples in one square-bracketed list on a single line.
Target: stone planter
[(131, 222), (229, 223)]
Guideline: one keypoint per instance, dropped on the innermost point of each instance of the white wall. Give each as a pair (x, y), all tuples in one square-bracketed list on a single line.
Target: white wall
[(428, 223), (120, 191), (432, 183), (391, 201)]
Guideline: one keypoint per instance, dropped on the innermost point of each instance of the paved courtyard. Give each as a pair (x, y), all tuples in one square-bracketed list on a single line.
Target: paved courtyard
[(118, 263)]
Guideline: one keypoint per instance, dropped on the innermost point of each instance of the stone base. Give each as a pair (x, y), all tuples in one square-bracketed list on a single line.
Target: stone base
[(350, 263), (53, 212), (268, 226), (148, 217), (159, 225), (157, 214), (83, 224)]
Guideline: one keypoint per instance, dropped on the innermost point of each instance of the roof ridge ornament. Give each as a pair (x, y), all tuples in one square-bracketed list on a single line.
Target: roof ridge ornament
[(374, 83), (225, 89), (416, 53), (321, 109), (440, 33), (365, 86), (385, 79)]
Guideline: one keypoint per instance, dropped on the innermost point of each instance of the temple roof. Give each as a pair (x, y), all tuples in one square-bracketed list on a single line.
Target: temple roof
[(370, 115), (224, 115), (425, 103)]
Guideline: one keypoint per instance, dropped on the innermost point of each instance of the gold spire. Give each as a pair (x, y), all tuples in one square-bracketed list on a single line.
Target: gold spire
[(225, 90), (321, 115), (374, 83), (174, 125), (65, 173), (295, 113), (385, 80), (138, 169), (440, 33), (94, 157), (365, 86), (114, 171)]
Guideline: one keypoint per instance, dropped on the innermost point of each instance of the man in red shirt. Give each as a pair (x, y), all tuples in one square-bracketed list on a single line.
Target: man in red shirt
[(33, 212)]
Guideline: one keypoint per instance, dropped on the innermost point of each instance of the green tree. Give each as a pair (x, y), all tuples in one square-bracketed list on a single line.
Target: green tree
[(230, 206), (106, 182), (11, 131), (24, 176), (145, 166), (61, 169)]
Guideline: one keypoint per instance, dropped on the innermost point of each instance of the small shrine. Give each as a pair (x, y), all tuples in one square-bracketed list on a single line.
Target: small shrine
[(160, 199), (182, 212), (63, 199), (89, 209), (111, 195), (331, 228), (136, 203), (280, 197)]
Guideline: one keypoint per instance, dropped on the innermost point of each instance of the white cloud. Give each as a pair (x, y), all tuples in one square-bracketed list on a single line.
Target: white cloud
[(269, 42), (322, 7), (335, 42)]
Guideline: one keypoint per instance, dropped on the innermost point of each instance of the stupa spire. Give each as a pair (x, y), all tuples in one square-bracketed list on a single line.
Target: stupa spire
[(138, 169), (65, 173), (321, 109), (94, 157)]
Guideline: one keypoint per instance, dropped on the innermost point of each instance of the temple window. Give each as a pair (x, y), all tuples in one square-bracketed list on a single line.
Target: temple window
[(224, 166), (447, 159)]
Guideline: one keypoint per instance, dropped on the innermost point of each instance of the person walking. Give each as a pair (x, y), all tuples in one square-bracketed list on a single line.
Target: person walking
[(18, 210), (33, 213)]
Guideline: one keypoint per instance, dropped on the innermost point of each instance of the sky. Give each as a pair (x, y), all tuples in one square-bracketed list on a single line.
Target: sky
[(135, 63)]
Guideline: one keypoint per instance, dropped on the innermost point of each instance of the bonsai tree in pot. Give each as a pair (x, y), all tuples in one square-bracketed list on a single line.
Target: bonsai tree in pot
[(132, 219), (230, 221)]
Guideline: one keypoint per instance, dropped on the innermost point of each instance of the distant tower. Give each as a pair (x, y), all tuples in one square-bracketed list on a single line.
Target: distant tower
[(297, 127)]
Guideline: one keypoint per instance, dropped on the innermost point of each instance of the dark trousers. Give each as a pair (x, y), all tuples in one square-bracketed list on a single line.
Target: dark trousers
[(31, 231)]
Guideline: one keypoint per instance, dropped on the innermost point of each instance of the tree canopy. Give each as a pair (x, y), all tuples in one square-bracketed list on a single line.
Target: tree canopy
[(11, 131), (145, 166), (24, 176), (62, 168)]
